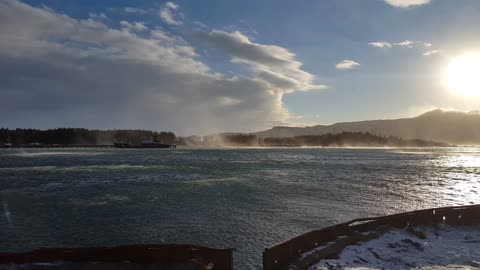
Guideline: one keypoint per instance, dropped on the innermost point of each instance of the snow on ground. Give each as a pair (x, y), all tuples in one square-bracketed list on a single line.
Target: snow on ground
[(444, 247)]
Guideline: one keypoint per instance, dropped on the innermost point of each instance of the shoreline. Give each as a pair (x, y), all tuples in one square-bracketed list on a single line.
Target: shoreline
[(238, 147)]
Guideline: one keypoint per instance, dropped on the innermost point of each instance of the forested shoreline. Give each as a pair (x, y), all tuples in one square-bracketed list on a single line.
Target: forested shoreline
[(80, 136), (344, 139)]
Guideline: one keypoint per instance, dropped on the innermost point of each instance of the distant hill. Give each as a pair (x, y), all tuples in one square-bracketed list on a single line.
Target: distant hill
[(444, 126)]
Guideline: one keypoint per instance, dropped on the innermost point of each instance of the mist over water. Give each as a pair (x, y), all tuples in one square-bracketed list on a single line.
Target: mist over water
[(248, 199)]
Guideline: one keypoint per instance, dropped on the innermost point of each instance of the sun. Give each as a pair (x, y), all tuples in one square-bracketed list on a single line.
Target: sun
[(463, 75)]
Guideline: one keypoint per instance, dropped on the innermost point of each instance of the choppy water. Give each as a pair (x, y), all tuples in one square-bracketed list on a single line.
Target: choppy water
[(248, 199)]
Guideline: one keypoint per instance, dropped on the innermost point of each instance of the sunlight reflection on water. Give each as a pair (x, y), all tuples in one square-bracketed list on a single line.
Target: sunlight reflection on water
[(243, 198)]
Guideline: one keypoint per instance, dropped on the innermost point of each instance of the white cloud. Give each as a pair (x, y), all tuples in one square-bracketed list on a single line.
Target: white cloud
[(135, 26), (380, 44), (228, 101), (168, 14), (135, 10), (98, 16), (406, 43), (431, 52), (407, 3), (402, 44), (411, 44), (160, 35), (200, 24), (63, 71), (171, 5), (272, 64), (347, 64)]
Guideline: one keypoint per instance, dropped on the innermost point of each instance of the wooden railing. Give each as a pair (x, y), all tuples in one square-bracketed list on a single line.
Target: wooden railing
[(278, 257), (163, 256), (283, 255)]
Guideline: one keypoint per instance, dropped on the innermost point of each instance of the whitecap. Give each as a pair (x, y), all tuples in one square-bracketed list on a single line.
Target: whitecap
[(84, 168), (99, 200), (211, 181), (33, 168), (48, 153)]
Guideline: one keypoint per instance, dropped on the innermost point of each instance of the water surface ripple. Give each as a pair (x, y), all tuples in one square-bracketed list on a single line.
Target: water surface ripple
[(243, 198)]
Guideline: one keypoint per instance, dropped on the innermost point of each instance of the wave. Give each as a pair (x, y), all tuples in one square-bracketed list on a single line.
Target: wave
[(211, 181), (42, 154), (110, 167), (34, 168), (180, 152), (245, 161), (85, 168), (100, 200), (453, 152), (413, 152)]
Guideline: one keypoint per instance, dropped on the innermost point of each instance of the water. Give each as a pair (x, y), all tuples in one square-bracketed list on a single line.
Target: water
[(248, 199)]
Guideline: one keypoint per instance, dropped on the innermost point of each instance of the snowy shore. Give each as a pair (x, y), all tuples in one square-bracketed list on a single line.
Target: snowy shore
[(439, 247)]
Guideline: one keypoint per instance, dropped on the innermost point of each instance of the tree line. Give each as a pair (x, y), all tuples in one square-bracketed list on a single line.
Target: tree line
[(350, 139), (81, 136), (344, 139)]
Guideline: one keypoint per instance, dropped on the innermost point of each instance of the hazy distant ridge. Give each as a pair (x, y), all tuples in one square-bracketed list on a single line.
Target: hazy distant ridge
[(445, 126)]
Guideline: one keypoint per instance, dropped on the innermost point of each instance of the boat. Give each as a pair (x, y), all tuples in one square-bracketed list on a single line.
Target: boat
[(151, 142), (144, 145)]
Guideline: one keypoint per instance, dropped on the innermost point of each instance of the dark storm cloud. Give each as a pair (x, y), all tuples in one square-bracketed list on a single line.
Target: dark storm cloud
[(60, 71)]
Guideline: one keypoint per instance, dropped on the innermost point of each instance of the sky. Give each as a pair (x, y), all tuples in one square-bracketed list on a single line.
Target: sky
[(200, 67)]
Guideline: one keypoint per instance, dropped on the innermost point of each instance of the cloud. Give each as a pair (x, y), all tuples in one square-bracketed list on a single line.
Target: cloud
[(407, 3), (61, 71), (403, 44), (97, 16), (228, 101), (431, 52), (347, 64), (161, 36), (272, 64), (136, 26), (412, 44), (380, 44), (200, 24), (168, 14), (135, 10), (171, 6), (406, 43)]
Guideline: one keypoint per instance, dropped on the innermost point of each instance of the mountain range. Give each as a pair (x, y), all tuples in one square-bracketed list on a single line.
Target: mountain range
[(453, 127)]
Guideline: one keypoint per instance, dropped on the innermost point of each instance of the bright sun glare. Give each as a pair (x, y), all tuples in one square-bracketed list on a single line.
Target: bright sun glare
[(463, 75)]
